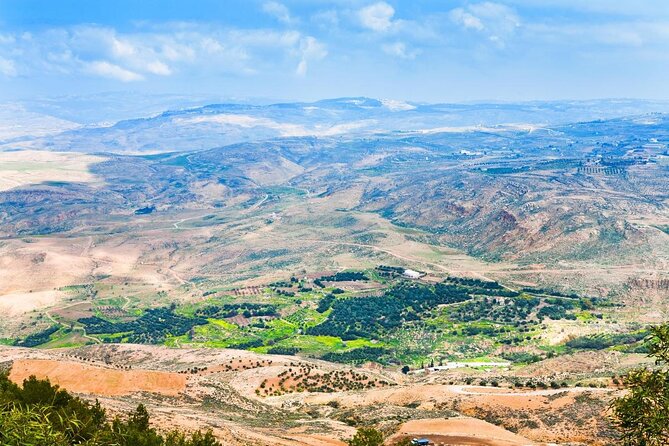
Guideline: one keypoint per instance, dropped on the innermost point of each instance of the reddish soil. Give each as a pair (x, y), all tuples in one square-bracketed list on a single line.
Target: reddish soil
[(239, 320), (87, 379), (461, 432), (250, 291)]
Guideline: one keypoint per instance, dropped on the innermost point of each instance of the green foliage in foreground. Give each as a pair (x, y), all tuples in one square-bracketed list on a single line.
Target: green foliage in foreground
[(39, 414), (366, 437), (643, 414)]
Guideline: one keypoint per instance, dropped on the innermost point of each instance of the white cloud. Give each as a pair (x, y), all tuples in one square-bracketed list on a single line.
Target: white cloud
[(157, 50), (263, 38), (7, 67), (122, 48), (6, 39), (310, 49), (649, 9), (399, 49), (326, 19), (620, 34), (377, 17), (107, 69), (301, 69), (159, 68), (467, 20), (494, 20), (496, 14), (137, 53), (278, 10)]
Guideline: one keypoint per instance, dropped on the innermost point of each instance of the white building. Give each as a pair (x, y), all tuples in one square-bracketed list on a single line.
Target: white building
[(411, 274)]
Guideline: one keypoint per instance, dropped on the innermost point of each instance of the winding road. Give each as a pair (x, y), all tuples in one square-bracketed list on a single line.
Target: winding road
[(77, 328)]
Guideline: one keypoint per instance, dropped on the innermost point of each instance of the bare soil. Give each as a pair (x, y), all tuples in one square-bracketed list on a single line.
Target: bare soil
[(83, 378)]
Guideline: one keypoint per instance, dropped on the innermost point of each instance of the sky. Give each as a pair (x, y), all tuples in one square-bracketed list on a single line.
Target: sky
[(420, 50)]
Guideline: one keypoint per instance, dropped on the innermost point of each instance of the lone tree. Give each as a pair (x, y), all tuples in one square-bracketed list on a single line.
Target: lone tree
[(366, 437), (643, 414)]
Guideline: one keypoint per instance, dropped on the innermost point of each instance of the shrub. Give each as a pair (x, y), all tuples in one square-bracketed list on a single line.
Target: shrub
[(642, 415), (39, 413), (366, 437)]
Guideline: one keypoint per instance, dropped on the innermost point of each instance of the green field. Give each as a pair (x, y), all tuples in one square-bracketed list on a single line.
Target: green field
[(402, 322)]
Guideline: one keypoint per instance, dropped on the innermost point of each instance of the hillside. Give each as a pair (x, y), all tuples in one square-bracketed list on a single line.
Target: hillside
[(440, 404), (583, 193)]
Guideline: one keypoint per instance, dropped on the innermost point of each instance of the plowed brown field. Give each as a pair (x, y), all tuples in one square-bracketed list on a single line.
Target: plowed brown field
[(83, 378)]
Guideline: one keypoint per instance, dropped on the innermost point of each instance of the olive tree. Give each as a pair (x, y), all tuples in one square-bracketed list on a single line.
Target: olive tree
[(642, 415)]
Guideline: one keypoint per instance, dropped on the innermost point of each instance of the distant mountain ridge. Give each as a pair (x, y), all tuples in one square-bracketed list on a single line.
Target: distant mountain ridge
[(216, 125)]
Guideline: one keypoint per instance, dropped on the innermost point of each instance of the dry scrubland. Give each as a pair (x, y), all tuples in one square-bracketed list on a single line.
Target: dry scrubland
[(236, 248), (183, 386)]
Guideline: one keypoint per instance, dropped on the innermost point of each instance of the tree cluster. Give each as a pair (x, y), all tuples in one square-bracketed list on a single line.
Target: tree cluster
[(642, 415), (40, 414), (373, 316), (150, 328)]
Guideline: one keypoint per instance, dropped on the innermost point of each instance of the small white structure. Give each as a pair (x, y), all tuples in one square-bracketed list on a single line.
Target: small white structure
[(462, 365), (411, 274)]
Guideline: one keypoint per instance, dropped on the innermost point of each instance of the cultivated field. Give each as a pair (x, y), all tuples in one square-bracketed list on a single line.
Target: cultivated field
[(26, 167)]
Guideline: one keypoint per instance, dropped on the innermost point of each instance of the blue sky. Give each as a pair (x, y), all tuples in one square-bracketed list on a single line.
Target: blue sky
[(434, 51)]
